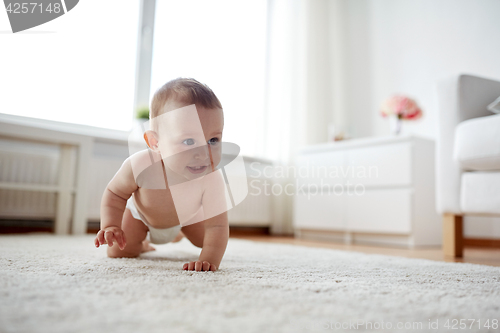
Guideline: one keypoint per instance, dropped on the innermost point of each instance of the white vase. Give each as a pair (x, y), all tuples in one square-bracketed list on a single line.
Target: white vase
[(396, 124)]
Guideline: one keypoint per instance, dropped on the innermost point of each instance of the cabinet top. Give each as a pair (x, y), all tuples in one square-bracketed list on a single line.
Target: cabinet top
[(361, 142)]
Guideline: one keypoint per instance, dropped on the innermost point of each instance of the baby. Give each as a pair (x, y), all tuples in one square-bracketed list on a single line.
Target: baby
[(172, 189)]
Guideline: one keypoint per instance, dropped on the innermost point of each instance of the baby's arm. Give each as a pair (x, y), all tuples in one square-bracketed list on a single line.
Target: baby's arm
[(113, 203), (214, 244), (216, 225)]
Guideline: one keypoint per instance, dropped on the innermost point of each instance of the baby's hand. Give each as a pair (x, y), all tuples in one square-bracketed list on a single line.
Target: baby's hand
[(109, 235), (199, 266)]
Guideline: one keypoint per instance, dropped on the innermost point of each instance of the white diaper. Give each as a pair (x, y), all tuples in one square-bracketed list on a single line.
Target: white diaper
[(155, 235)]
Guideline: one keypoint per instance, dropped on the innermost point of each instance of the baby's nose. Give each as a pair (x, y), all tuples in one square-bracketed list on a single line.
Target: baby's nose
[(201, 152)]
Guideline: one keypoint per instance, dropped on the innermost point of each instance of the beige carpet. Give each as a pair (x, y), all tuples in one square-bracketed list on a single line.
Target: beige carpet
[(64, 284)]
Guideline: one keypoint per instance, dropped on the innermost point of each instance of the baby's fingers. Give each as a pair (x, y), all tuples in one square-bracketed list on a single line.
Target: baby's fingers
[(120, 239), (100, 238), (206, 266), (108, 235), (191, 266), (198, 266)]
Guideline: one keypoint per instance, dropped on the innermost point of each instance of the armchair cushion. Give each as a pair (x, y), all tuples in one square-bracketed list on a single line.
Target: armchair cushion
[(477, 144)]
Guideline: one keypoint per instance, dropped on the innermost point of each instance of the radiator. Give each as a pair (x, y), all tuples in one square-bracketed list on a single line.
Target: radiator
[(30, 164), (255, 210), (33, 163), (36, 163)]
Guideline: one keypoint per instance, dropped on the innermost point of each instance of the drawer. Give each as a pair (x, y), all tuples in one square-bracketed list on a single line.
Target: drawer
[(321, 168), (387, 211), (380, 166), (319, 211)]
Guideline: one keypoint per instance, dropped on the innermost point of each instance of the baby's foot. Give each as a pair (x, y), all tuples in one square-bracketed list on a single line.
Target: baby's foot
[(179, 236), (146, 247)]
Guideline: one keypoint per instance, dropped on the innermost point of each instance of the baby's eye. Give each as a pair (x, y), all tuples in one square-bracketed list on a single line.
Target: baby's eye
[(213, 141), (188, 142)]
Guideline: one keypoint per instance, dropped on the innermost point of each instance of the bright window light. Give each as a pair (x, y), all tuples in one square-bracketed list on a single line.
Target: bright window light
[(78, 68), (220, 43)]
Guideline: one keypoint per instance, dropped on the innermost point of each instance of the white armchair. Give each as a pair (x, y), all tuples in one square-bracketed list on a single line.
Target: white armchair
[(468, 155)]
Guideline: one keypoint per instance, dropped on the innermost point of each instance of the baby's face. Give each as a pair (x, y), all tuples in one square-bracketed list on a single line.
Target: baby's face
[(190, 140)]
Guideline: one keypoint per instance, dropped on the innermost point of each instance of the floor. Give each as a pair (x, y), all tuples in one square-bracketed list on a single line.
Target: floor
[(474, 255), (483, 256)]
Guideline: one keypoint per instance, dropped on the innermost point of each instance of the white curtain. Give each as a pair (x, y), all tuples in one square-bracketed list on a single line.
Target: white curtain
[(284, 121), (300, 89), (285, 116)]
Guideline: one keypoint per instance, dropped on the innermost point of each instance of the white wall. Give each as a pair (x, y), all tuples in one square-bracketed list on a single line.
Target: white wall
[(393, 46), (406, 46)]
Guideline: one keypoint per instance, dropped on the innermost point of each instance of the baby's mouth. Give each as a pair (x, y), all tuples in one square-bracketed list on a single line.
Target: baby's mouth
[(198, 169)]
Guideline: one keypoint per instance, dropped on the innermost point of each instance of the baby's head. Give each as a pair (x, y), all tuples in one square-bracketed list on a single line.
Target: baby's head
[(186, 123)]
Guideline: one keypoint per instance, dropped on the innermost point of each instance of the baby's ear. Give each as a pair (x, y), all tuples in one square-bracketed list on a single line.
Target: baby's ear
[(151, 139)]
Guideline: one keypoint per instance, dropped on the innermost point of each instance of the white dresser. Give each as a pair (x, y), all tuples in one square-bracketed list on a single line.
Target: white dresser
[(373, 190)]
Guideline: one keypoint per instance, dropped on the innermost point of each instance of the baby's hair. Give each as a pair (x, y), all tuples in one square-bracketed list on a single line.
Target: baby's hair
[(186, 91)]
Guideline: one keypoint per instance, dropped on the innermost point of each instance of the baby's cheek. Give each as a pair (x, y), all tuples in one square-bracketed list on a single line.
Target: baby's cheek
[(169, 150)]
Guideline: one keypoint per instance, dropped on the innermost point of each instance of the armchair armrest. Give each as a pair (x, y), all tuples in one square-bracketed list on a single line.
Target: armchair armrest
[(459, 98)]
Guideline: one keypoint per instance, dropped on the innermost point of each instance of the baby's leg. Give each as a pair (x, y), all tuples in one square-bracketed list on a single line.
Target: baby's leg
[(135, 233), (178, 238)]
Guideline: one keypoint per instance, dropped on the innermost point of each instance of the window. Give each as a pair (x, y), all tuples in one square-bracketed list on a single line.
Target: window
[(78, 68), (220, 43)]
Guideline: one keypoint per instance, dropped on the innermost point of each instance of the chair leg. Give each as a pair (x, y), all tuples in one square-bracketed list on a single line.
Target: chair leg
[(453, 240)]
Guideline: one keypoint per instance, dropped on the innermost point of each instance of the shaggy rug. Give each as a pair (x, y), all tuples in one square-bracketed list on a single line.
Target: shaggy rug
[(64, 284)]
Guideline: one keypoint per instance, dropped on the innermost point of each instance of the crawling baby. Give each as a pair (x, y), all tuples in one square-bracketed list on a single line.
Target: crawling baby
[(172, 189)]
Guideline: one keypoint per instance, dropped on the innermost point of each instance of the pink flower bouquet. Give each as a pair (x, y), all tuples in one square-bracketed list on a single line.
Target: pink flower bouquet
[(402, 107)]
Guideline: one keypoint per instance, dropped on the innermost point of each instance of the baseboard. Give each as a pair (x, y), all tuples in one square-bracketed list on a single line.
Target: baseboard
[(357, 238), (20, 226), (482, 242), (17, 226), (235, 231)]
